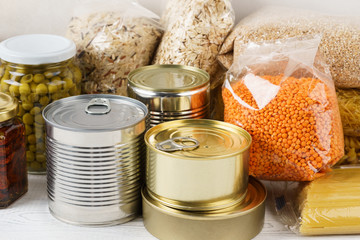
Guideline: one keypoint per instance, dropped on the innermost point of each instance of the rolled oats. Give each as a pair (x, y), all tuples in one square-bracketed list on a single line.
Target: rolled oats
[(194, 33)]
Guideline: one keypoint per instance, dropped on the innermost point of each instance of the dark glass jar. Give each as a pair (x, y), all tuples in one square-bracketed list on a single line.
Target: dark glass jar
[(13, 173)]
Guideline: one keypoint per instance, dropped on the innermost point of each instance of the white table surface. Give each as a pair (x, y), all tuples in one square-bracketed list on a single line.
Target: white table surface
[(29, 218)]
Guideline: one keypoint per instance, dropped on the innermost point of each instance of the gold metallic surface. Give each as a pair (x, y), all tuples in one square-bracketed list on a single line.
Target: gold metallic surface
[(240, 222), (171, 90), (168, 78), (212, 176), (8, 107)]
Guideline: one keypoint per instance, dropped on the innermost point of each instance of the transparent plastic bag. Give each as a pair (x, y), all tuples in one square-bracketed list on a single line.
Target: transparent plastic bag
[(195, 31), (340, 43), (352, 151), (277, 92), (112, 38), (327, 205), (349, 102)]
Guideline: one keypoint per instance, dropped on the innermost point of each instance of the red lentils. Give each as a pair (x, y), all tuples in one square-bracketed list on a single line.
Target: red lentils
[(297, 136)]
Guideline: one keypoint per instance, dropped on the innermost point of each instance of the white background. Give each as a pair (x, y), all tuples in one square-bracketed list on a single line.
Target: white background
[(50, 16)]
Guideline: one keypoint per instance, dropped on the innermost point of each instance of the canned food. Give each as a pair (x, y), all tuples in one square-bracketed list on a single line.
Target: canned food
[(197, 164), (240, 222), (95, 151), (38, 69), (171, 92)]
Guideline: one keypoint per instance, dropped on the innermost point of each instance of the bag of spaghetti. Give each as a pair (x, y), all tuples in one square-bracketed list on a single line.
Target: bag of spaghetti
[(282, 94), (328, 205)]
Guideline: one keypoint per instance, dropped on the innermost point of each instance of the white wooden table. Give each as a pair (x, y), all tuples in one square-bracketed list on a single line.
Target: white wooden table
[(29, 218)]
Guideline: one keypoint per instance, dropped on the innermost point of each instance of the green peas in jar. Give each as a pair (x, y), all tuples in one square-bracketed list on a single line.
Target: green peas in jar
[(39, 78), (37, 81)]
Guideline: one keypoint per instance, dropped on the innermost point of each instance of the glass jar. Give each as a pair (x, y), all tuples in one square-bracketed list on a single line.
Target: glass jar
[(38, 69), (13, 174)]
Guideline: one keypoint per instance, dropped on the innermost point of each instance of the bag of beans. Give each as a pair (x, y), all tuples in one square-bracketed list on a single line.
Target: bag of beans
[(281, 92)]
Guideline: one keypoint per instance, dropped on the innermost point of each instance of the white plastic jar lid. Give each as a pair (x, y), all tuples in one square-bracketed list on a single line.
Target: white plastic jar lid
[(34, 49)]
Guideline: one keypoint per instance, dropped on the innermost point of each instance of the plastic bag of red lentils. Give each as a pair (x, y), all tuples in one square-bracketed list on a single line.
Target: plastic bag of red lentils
[(281, 92)]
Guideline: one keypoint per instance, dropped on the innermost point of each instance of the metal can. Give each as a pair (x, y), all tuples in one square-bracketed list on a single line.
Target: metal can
[(240, 222), (197, 164), (95, 151), (171, 91)]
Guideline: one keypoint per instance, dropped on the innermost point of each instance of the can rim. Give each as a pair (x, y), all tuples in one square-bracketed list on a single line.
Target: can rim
[(89, 96), (167, 66), (200, 206), (226, 213), (191, 122)]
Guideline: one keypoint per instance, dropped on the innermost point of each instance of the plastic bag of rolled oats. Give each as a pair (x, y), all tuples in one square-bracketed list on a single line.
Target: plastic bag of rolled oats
[(194, 33), (113, 37)]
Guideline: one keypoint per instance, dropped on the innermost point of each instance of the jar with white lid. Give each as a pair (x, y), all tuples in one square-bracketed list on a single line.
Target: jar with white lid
[(38, 69)]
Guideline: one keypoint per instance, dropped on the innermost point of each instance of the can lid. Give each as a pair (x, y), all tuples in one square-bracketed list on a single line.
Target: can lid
[(168, 78), (200, 138), (8, 107), (99, 112), (34, 49)]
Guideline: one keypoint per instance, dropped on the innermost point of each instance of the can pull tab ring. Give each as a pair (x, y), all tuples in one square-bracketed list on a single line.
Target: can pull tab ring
[(101, 102), (177, 143)]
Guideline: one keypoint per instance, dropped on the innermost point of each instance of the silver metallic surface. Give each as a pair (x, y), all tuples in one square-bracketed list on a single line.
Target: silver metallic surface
[(95, 172)]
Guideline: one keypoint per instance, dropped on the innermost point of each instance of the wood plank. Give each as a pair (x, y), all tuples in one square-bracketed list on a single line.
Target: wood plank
[(29, 218)]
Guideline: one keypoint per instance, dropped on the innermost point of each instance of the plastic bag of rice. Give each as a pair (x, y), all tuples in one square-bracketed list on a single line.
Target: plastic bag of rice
[(113, 38), (340, 38)]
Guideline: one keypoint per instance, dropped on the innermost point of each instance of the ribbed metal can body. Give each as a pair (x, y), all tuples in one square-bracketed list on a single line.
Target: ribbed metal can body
[(171, 92), (95, 171)]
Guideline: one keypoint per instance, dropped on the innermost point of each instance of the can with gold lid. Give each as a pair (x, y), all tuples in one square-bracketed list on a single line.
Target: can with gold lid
[(242, 221), (171, 91), (197, 164)]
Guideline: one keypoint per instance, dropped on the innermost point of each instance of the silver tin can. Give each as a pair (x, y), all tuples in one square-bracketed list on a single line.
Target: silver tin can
[(171, 92), (95, 156)]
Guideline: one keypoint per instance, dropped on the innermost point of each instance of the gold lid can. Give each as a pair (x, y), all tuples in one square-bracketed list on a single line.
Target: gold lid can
[(197, 164), (216, 139), (242, 221), (9, 107), (171, 91), (170, 78)]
